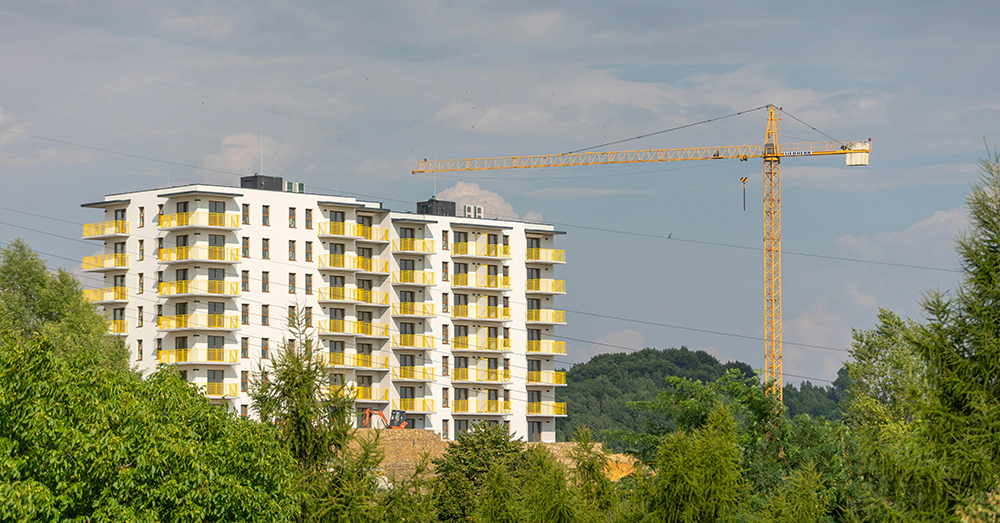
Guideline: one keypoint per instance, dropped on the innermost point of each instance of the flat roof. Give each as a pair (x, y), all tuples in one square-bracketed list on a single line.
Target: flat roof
[(542, 231), (98, 205), (481, 226), (347, 204), (411, 220), (197, 192)]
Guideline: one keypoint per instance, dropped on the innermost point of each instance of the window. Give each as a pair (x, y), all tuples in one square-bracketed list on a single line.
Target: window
[(246, 214), (159, 313), (444, 334), (159, 246), (291, 217), (142, 284), (291, 283), (265, 249), (159, 346), (245, 281), (264, 319), (444, 271), (263, 346), (245, 314), (461, 426), (309, 251), (159, 212), (244, 347), (444, 397), (309, 218), (291, 250), (265, 282), (534, 431), (444, 240), (444, 429), (142, 251), (243, 412), (246, 247), (309, 316), (291, 314), (138, 320), (309, 283), (142, 216), (444, 365), (138, 350), (265, 215), (244, 379)]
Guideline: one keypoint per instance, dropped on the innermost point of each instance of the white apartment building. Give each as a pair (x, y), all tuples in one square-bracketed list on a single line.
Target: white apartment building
[(448, 318)]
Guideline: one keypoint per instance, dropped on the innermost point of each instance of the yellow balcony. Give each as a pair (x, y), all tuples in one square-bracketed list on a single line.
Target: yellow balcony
[(198, 355), (546, 286), (363, 328), (361, 295), (417, 341), (197, 321), (546, 255), (412, 309), (480, 249), (106, 294), (170, 288), (480, 407), (462, 406), (460, 311), (481, 312), (365, 361), (412, 245), (413, 405), (480, 343), (481, 375), (546, 316), (547, 377), (199, 253), (200, 219), (112, 228), (546, 347), (546, 408), (371, 265), (222, 389), (360, 328), (371, 394), (482, 281), (373, 297), (337, 229), (414, 277), (105, 261), (375, 234), (413, 373), (118, 327)]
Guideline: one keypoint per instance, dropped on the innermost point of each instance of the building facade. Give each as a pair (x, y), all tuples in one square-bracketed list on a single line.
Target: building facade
[(449, 319)]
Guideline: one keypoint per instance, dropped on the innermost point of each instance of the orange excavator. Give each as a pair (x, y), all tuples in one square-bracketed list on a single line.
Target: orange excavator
[(397, 420)]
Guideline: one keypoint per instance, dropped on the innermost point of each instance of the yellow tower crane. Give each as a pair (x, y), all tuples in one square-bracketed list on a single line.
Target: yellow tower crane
[(772, 151)]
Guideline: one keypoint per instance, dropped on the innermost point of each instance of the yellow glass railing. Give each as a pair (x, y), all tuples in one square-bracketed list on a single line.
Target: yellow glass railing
[(366, 361), (363, 328), (198, 355), (336, 261), (492, 407), (197, 321), (546, 376), (547, 346), (118, 327), (460, 406), (415, 277), (547, 408), (371, 265), (484, 375), (379, 234), (222, 389), (352, 327), (200, 219), (459, 280), (105, 228), (484, 281), (413, 309), (546, 255), (374, 297), (336, 229), (460, 311), (413, 245), (544, 285), (371, 394), (480, 249), (199, 252), (479, 343), (547, 316), (168, 288), (492, 313), (413, 405), (332, 293), (105, 261), (419, 341), (413, 373), (106, 294)]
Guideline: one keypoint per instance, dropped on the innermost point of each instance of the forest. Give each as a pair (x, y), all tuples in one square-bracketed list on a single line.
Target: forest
[(908, 432)]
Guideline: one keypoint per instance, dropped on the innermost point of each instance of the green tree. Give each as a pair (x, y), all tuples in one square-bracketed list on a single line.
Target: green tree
[(466, 464), (34, 300)]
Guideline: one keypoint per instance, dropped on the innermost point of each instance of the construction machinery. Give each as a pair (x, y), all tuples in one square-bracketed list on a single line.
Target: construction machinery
[(397, 419), (771, 152)]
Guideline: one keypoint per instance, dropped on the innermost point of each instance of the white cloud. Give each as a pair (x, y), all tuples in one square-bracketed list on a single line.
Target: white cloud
[(240, 154), (577, 192), (927, 242), (213, 26), (859, 298), (541, 23), (500, 119), (465, 193), (533, 216), (13, 122), (869, 179), (816, 325), (125, 84), (50, 155), (626, 340)]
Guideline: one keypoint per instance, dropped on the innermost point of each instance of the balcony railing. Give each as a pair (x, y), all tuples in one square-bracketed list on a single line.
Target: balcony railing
[(343, 261), (480, 343), (337, 229), (413, 405), (365, 361), (544, 285), (371, 394), (200, 219), (480, 406), (112, 228), (118, 327), (546, 347), (483, 312), (378, 234), (372, 265), (412, 245), (361, 295), (413, 373), (412, 309), (546, 255), (481, 375), (197, 321), (199, 252), (198, 355), (414, 277), (106, 294), (547, 377), (106, 261), (482, 281), (229, 288), (373, 297), (222, 389), (480, 249), (546, 408), (417, 341), (352, 327), (546, 316)]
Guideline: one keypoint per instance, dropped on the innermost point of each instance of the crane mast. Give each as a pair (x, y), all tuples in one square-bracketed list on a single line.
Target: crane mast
[(772, 253)]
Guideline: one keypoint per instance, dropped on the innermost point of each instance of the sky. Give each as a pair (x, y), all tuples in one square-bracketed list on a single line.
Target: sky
[(347, 97)]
